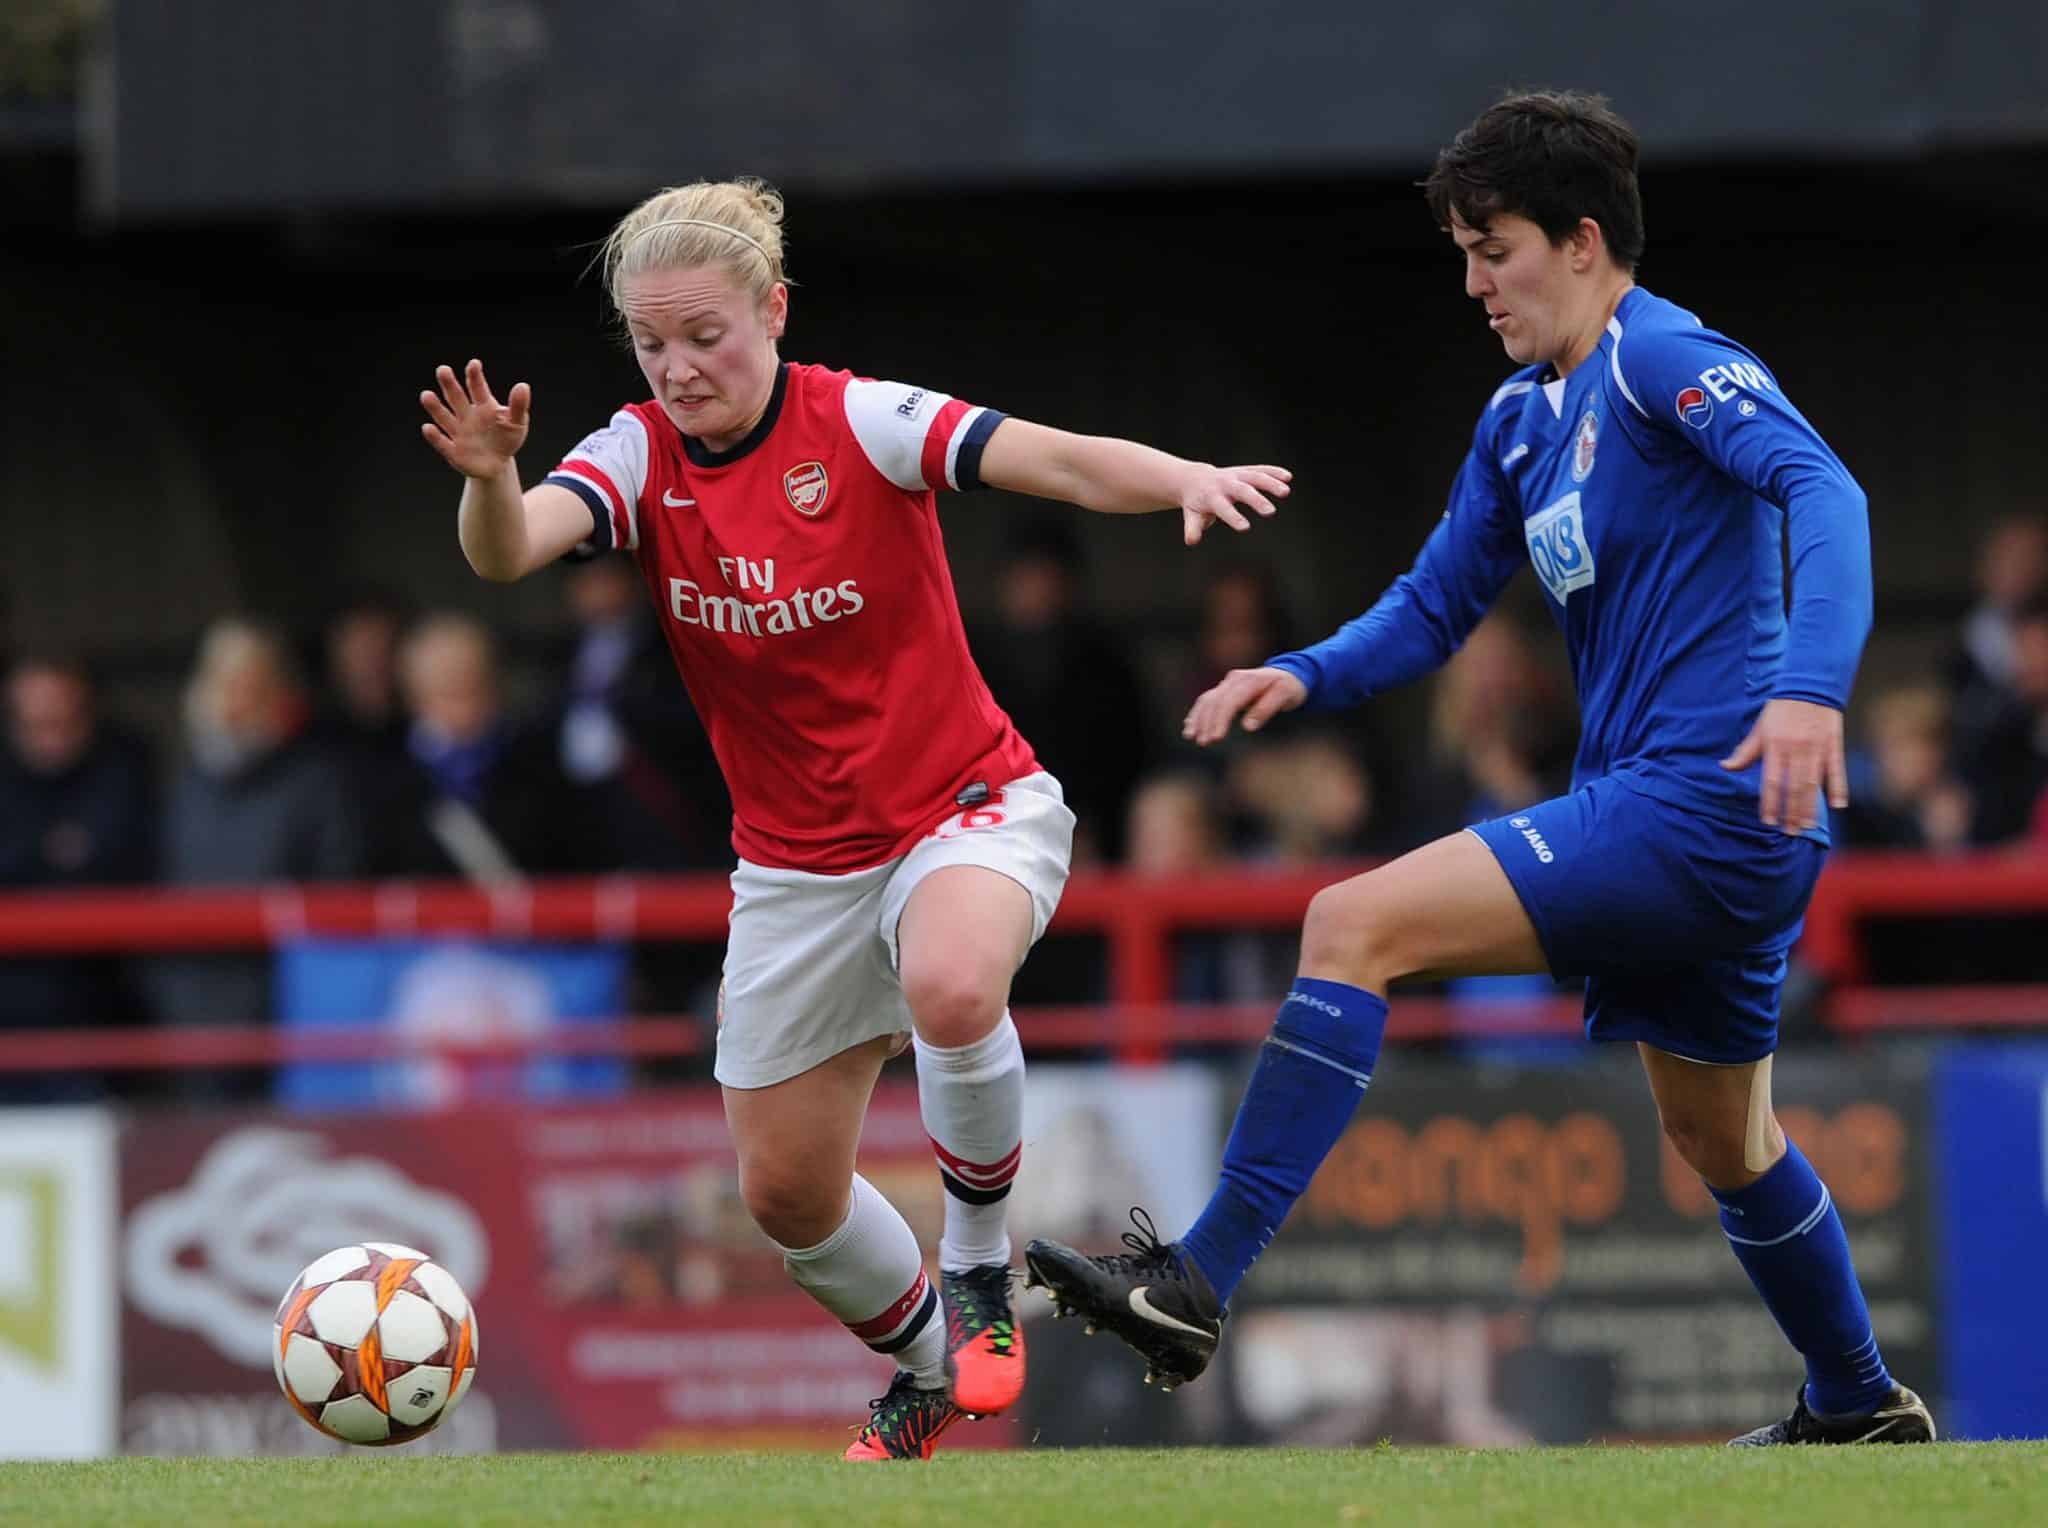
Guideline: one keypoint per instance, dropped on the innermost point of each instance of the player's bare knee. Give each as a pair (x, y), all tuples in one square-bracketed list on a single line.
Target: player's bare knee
[(1710, 1145), (1347, 937), (955, 1000), (791, 1208)]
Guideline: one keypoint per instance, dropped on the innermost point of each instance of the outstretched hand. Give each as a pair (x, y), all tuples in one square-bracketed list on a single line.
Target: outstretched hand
[(1260, 693), (476, 434), (1800, 744), (1217, 492)]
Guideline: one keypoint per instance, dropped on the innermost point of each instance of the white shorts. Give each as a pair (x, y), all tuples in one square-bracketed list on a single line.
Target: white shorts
[(811, 960)]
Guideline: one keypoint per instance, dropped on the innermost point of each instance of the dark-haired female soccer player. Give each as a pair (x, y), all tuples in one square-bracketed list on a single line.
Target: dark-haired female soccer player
[(1647, 468)]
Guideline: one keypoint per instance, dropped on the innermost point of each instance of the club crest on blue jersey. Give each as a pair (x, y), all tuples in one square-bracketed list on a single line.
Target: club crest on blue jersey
[(806, 485), (1695, 407), (1583, 444)]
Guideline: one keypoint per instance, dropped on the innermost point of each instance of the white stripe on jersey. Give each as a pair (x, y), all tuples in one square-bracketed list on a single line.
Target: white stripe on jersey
[(1614, 360), (619, 453), (953, 445), (1509, 390), (594, 478), (891, 421)]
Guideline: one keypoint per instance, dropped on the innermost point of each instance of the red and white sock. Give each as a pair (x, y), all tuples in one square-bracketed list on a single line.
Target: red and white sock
[(870, 1275), (972, 1099)]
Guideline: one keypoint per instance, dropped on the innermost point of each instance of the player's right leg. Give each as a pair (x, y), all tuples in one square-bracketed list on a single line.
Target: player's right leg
[(1447, 909), (811, 1010), (845, 1245), (1783, 1228)]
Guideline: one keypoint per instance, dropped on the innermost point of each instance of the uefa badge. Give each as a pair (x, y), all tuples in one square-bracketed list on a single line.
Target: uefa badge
[(806, 485), (1582, 446)]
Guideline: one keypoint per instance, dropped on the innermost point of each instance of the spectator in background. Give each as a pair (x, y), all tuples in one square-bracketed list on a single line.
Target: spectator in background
[(484, 798), (1988, 714), (259, 800), (1303, 798), (2003, 757), (1500, 732), (362, 720), (361, 652), (1177, 830), (1907, 799), (1065, 682), (2012, 567), (77, 808), (647, 791), (1244, 622)]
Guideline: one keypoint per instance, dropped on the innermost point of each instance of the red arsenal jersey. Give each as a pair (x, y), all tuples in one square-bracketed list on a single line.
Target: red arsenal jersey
[(803, 588)]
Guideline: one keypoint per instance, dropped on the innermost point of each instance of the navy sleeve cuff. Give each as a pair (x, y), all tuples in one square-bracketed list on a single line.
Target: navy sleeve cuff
[(600, 513), (967, 465)]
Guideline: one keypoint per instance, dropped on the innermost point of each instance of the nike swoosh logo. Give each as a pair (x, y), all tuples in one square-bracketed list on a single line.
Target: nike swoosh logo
[(1145, 1310), (673, 502)]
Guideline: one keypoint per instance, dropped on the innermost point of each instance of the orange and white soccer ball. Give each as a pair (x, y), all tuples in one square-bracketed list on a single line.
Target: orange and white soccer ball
[(374, 1343)]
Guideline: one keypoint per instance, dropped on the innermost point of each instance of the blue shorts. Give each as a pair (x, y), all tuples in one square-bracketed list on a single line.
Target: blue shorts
[(1679, 922)]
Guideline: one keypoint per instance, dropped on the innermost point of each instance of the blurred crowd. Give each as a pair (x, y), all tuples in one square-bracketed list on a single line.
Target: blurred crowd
[(389, 749)]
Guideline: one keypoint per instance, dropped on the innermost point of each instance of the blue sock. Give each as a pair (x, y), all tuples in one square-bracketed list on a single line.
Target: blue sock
[(1310, 1075), (1790, 1242)]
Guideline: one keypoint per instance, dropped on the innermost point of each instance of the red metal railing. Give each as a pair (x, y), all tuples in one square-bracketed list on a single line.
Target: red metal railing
[(1138, 918)]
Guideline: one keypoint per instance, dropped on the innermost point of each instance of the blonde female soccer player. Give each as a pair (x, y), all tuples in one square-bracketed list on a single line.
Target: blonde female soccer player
[(900, 849)]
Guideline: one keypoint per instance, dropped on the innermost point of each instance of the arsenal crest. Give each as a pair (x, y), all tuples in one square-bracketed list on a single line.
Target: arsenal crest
[(806, 485)]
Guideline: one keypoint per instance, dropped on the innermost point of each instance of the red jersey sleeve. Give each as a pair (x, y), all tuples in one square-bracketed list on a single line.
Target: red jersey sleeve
[(918, 438), (608, 470)]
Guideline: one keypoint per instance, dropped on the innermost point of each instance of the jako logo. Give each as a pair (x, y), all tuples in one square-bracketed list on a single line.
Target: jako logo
[(1535, 838), (1316, 1003)]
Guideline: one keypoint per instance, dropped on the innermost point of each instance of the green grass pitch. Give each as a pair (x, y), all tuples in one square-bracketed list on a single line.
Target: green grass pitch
[(1949, 1484)]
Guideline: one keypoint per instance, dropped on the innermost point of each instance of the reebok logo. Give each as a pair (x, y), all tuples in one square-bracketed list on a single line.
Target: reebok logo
[(1528, 831)]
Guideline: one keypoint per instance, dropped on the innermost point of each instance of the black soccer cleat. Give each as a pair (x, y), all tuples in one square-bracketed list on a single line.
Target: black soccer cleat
[(1901, 1418), (1153, 1298)]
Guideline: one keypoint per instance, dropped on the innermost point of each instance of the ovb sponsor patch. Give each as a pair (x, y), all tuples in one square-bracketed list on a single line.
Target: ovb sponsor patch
[(1558, 549)]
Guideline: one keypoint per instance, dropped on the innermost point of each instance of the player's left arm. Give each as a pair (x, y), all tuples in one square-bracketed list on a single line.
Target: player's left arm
[(1122, 477), (1724, 403), (921, 439)]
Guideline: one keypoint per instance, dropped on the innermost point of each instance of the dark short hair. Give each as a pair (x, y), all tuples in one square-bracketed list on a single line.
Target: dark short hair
[(1551, 156)]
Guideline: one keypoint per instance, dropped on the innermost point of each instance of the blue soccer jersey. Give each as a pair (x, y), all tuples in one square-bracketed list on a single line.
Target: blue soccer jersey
[(1653, 491)]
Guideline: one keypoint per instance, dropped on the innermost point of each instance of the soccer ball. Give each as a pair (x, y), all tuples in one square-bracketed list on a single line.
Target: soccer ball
[(374, 1344)]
